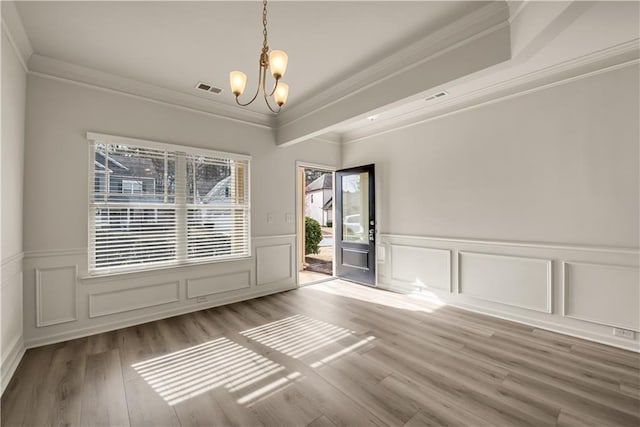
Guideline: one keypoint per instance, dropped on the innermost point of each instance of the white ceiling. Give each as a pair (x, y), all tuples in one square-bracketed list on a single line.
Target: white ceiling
[(176, 44)]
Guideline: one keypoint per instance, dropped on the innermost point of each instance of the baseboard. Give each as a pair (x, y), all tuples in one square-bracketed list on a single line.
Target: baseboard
[(540, 324), (11, 361), (132, 321)]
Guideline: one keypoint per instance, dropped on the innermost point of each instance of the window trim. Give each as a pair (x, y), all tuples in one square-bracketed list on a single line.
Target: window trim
[(94, 137)]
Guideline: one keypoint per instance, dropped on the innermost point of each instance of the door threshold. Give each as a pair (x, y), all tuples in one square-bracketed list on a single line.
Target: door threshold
[(315, 282)]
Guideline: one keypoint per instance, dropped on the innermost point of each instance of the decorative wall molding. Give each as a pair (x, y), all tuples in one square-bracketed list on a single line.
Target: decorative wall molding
[(541, 275), (55, 69), (622, 286), (119, 323), (124, 300), (538, 245), (17, 257), (11, 358), (14, 29), (55, 253), (463, 30), (218, 283), (270, 264), (486, 278), (606, 60), (275, 236), (42, 302), (426, 266), (10, 268)]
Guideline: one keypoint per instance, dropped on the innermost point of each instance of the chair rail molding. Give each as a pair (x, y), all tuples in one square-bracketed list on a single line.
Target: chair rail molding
[(551, 286)]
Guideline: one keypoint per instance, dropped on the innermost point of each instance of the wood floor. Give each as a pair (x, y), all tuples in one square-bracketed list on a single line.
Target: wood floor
[(326, 355)]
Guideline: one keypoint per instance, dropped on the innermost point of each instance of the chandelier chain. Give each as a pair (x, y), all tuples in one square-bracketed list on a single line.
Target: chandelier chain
[(265, 48)]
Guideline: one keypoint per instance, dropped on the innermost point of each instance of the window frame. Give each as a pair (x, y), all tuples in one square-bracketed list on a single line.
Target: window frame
[(181, 234)]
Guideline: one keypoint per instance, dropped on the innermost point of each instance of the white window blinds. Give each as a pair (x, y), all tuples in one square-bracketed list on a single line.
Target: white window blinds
[(154, 204)]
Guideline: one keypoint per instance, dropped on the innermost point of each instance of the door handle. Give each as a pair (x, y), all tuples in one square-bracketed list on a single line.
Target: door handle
[(372, 234)]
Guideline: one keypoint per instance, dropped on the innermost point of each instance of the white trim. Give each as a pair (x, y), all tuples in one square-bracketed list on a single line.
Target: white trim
[(426, 249), (7, 32), (12, 258), (275, 236), (93, 314), (520, 6), (10, 361), (490, 17), (299, 214), (191, 296), (56, 69), (124, 140), (540, 245), (516, 85), (13, 27), (144, 318), (279, 279), (548, 326), (565, 282), (45, 253), (38, 271), (548, 262)]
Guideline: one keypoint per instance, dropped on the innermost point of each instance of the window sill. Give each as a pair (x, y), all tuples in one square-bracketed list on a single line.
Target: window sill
[(99, 276)]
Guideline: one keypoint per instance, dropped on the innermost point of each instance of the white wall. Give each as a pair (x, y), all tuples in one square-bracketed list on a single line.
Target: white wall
[(12, 154), (60, 303), (546, 170)]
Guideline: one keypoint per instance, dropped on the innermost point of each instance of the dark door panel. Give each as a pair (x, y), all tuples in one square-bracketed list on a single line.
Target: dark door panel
[(355, 224)]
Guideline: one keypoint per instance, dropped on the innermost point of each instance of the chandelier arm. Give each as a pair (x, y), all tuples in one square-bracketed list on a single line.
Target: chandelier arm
[(264, 92), (257, 91), (275, 86)]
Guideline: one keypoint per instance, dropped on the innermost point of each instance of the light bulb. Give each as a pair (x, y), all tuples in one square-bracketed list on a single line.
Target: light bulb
[(278, 63), (281, 93), (238, 81)]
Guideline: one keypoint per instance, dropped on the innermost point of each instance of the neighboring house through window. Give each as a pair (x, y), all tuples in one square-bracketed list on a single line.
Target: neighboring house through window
[(155, 204)]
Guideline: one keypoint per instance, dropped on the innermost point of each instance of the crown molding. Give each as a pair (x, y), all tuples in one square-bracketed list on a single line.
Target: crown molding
[(43, 66), (14, 30), (488, 18), (515, 8), (605, 60)]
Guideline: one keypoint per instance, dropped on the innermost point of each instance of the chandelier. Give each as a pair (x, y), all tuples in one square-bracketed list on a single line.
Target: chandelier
[(276, 60)]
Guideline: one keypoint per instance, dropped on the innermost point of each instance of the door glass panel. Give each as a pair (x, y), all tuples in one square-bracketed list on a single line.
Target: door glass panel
[(355, 207)]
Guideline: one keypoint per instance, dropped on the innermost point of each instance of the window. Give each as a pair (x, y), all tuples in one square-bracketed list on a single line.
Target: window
[(156, 204)]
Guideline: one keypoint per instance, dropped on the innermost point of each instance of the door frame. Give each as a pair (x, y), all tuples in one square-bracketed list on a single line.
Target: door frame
[(299, 212)]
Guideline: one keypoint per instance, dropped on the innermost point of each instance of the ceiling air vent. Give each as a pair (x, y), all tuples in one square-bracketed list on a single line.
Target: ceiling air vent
[(436, 96), (208, 88)]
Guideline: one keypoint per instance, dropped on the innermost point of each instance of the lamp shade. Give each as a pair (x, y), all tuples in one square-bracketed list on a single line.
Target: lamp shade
[(281, 93), (278, 63), (238, 81)]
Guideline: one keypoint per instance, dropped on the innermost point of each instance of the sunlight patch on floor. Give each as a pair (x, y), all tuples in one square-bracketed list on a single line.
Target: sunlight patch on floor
[(421, 299), (297, 335), (184, 374)]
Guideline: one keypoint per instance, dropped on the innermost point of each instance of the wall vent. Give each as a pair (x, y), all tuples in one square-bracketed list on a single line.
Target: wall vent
[(208, 88), (436, 96)]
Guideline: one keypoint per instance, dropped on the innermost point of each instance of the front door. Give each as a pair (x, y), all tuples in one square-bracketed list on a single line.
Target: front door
[(355, 225)]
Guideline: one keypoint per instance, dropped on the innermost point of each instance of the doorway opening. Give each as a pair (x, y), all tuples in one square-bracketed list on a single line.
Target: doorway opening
[(315, 219)]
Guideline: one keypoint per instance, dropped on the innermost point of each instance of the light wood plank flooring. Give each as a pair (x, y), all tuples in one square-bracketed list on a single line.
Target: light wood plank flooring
[(331, 354)]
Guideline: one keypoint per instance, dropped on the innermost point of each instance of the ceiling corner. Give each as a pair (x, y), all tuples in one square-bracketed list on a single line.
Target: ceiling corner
[(14, 29)]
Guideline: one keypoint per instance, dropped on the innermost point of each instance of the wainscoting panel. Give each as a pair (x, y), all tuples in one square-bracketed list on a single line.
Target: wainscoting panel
[(217, 284), (103, 304), (11, 318), (602, 293), (421, 267), (56, 295), (274, 263), (517, 281), (598, 287)]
